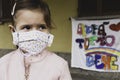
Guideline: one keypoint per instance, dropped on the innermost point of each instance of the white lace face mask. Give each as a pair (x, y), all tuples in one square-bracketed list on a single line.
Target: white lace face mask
[(33, 42)]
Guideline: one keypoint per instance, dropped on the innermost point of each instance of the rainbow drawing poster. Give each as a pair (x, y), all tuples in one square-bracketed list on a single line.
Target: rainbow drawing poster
[(96, 45)]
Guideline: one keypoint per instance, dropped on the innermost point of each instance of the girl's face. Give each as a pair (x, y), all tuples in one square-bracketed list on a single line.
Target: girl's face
[(28, 20)]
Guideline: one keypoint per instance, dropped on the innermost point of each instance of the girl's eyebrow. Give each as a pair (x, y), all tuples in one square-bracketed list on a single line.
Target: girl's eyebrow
[(33, 25), (26, 25), (41, 24)]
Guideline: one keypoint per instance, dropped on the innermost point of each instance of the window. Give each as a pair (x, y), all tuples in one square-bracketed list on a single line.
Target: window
[(98, 7), (5, 10)]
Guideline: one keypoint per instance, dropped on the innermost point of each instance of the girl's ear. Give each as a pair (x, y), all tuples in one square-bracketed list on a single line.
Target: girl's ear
[(11, 28)]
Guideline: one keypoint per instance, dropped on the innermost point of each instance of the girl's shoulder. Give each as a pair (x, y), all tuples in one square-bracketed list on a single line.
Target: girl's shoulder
[(5, 59), (56, 58)]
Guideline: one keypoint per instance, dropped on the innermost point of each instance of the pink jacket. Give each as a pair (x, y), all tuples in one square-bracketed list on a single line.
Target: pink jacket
[(47, 66)]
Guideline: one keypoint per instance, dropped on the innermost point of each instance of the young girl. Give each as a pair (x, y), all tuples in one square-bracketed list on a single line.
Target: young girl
[(32, 61)]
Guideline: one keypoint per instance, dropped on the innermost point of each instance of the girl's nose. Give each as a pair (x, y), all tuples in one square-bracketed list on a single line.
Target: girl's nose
[(34, 27)]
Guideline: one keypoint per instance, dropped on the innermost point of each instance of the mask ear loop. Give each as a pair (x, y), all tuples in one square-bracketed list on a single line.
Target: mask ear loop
[(50, 40), (13, 10), (18, 38)]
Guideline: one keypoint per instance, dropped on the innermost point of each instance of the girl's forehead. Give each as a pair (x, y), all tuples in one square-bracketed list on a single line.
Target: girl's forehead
[(27, 12), (29, 17)]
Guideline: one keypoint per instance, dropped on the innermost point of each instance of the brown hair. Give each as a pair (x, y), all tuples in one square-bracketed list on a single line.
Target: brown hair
[(31, 5)]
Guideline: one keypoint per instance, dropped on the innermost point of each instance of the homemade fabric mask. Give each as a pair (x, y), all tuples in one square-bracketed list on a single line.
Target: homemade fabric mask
[(33, 42)]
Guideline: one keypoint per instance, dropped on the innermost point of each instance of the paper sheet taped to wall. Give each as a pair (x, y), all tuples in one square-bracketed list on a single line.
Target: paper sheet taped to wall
[(96, 45)]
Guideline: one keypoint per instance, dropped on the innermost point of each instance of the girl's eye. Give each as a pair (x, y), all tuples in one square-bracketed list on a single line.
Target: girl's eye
[(26, 27), (42, 27)]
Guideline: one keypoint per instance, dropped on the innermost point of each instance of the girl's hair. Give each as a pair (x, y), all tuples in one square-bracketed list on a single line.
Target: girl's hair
[(32, 5)]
